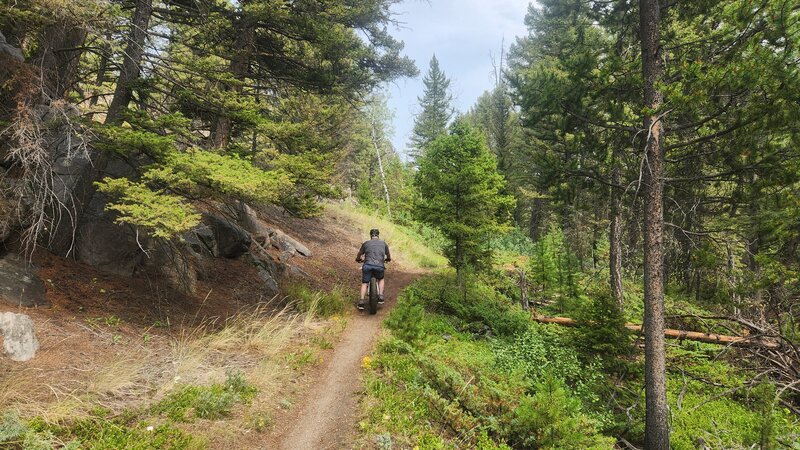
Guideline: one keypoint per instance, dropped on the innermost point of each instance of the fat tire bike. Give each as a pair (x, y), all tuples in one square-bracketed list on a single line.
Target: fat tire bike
[(372, 293)]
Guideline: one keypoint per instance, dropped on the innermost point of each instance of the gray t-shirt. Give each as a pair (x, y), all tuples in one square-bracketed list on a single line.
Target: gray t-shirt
[(375, 252)]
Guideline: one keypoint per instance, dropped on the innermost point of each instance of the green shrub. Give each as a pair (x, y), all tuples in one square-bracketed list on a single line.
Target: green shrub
[(11, 428), (552, 419), (478, 308), (764, 397), (206, 402), (554, 267), (405, 321), (541, 352), (601, 330), (97, 433), (101, 434)]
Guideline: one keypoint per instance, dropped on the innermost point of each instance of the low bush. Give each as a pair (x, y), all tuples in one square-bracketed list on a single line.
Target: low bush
[(477, 307), (551, 418), (206, 402), (96, 432), (601, 331)]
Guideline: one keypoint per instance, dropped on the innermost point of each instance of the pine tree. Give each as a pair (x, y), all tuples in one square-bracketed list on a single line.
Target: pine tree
[(463, 195), (436, 110)]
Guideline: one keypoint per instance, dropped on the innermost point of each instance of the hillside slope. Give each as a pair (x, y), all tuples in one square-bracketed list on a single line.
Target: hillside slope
[(114, 343)]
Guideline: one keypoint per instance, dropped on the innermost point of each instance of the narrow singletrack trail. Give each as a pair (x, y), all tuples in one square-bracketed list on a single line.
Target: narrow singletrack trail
[(325, 417)]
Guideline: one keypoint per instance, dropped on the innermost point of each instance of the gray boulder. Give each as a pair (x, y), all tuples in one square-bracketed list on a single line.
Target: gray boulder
[(19, 284), (176, 264), (270, 284), (297, 272), (109, 246), (252, 223), (9, 51), (262, 233), (286, 256), (201, 240), (231, 240), (284, 242), (268, 271), (100, 241), (19, 340)]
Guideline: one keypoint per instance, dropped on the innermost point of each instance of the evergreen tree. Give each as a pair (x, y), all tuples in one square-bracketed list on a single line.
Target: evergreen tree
[(248, 100), (462, 195), (436, 110)]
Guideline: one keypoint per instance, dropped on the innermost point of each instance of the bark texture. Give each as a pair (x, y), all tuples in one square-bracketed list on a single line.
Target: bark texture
[(383, 174), (657, 408), (615, 233), (132, 61), (57, 58), (240, 68)]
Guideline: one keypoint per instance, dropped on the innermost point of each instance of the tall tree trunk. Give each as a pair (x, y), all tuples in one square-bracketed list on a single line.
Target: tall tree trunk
[(538, 214), (380, 166), (132, 60), (57, 58), (102, 69), (615, 232), (732, 279), (657, 408), (240, 67), (754, 238), (64, 237)]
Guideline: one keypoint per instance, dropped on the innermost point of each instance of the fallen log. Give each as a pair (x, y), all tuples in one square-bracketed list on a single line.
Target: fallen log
[(736, 341)]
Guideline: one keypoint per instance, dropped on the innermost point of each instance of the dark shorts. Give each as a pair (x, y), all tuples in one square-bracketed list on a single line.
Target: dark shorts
[(368, 271)]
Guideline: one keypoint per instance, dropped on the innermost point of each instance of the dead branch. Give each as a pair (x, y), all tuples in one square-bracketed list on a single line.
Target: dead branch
[(710, 338)]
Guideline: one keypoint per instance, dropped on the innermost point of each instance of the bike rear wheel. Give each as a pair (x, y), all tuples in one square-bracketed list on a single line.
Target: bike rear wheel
[(373, 295)]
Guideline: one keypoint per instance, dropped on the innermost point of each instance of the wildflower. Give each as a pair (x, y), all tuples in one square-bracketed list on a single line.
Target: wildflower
[(366, 363)]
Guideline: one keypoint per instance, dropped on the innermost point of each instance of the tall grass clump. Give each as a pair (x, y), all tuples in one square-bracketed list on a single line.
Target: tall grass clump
[(319, 303)]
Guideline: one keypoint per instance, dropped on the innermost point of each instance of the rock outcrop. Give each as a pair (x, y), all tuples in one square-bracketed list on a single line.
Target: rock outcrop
[(9, 51), (267, 235), (230, 240), (19, 339), (19, 284)]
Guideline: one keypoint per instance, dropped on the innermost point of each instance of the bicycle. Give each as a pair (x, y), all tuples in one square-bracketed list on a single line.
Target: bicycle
[(372, 295), (372, 292)]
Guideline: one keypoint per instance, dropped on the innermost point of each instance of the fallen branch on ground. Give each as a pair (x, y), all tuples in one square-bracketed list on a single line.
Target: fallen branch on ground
[(736, 341)]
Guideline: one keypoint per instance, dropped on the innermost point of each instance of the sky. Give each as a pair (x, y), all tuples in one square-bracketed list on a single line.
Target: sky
[(465, 35)]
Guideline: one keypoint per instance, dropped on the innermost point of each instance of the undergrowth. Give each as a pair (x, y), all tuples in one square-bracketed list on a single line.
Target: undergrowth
[(155, 427), (469, 369), (448, 376)]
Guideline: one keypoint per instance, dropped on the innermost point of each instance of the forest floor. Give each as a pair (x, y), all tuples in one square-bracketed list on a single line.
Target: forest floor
[(119, 343)]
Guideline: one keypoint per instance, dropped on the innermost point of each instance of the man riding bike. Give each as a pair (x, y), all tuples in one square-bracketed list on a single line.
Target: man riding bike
[(373, 254)]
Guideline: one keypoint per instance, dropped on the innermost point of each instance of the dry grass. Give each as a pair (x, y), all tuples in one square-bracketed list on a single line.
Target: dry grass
[(254, 342)]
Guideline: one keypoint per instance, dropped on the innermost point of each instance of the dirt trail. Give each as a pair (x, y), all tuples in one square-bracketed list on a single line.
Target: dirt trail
[(325, 417)]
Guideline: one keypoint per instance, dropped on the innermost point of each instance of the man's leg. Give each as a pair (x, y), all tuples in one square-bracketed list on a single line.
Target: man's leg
[(364, 290), (380, 288)]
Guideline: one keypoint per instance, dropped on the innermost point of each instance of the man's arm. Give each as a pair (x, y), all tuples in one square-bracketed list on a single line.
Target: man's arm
[(388, 255), (360, 255)]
